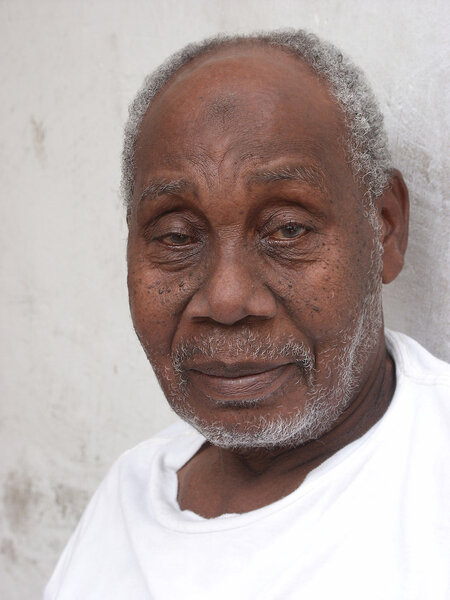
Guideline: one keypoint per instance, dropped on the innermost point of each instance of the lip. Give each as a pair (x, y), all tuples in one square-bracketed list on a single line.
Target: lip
[(243, 381)]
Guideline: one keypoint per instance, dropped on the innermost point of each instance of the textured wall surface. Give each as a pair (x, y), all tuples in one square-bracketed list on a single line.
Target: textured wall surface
[(75, 387)]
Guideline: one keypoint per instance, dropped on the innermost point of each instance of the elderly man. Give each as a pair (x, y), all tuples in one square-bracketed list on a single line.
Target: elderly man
[(263, 216)]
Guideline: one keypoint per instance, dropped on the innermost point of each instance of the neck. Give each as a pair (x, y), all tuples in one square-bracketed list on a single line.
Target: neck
[(244, 480)]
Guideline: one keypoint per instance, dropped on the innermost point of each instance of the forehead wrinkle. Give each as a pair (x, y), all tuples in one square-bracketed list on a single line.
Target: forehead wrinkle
[(218, 169), (302, 173)]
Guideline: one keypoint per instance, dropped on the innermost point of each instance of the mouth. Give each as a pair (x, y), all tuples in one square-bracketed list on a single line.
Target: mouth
[(243, 381)]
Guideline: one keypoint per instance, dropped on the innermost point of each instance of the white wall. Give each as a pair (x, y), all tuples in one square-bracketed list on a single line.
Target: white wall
[(75, 386)]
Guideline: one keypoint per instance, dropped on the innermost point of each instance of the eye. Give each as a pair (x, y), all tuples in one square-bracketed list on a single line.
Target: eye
[(176, 239), (289, 231)]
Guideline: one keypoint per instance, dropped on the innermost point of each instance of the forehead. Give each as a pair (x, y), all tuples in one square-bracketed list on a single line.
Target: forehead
[(237, 109)]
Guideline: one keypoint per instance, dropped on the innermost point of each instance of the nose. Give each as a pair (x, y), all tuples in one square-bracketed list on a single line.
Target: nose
[(232, 290)]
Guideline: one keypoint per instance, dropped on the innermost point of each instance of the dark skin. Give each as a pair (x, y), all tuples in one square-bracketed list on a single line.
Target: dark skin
[(217, 247)]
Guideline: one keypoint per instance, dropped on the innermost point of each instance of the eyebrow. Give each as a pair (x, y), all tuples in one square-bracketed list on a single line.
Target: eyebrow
[(302, 173), (161, 187)]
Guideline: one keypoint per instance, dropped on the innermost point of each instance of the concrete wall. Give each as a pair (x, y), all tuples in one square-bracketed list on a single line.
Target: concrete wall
[(75, 387)]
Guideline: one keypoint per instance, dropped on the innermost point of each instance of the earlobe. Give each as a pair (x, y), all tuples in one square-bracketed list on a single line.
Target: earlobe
[(393, 207)]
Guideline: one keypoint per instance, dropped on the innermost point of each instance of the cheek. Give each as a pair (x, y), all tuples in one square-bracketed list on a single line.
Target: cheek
[(157, 301), (323, 296)]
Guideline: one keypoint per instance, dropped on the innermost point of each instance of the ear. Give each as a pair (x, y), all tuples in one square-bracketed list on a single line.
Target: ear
[(393, 212)]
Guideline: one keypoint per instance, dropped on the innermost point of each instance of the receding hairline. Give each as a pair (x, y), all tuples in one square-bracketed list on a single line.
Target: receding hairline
[(241, 44)]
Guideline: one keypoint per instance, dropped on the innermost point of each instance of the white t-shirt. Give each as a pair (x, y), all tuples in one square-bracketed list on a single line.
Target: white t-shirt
[(370, 523)]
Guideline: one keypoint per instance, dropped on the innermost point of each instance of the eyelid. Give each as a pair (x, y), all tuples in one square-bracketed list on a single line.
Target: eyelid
[(182, 224), (286, 214), (189, 241), (152, 236)]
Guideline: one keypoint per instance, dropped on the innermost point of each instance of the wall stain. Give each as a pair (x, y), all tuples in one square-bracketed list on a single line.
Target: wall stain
[(19, 499), (8, 550), (38, 133), (70, 501)]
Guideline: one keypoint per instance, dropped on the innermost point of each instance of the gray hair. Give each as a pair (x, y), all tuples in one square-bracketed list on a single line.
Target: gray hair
[(365, 140)]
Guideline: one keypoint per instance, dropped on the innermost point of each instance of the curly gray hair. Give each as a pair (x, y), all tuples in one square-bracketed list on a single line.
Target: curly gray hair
[(365, 142)]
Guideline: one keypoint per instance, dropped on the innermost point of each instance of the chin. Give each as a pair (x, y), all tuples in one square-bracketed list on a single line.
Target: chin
[(259, 429)]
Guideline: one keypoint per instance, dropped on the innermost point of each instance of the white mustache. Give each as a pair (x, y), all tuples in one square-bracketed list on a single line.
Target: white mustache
[(245, 346)]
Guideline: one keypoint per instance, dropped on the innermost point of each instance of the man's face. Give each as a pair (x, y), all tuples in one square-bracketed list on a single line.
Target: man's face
[(254, 275)]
